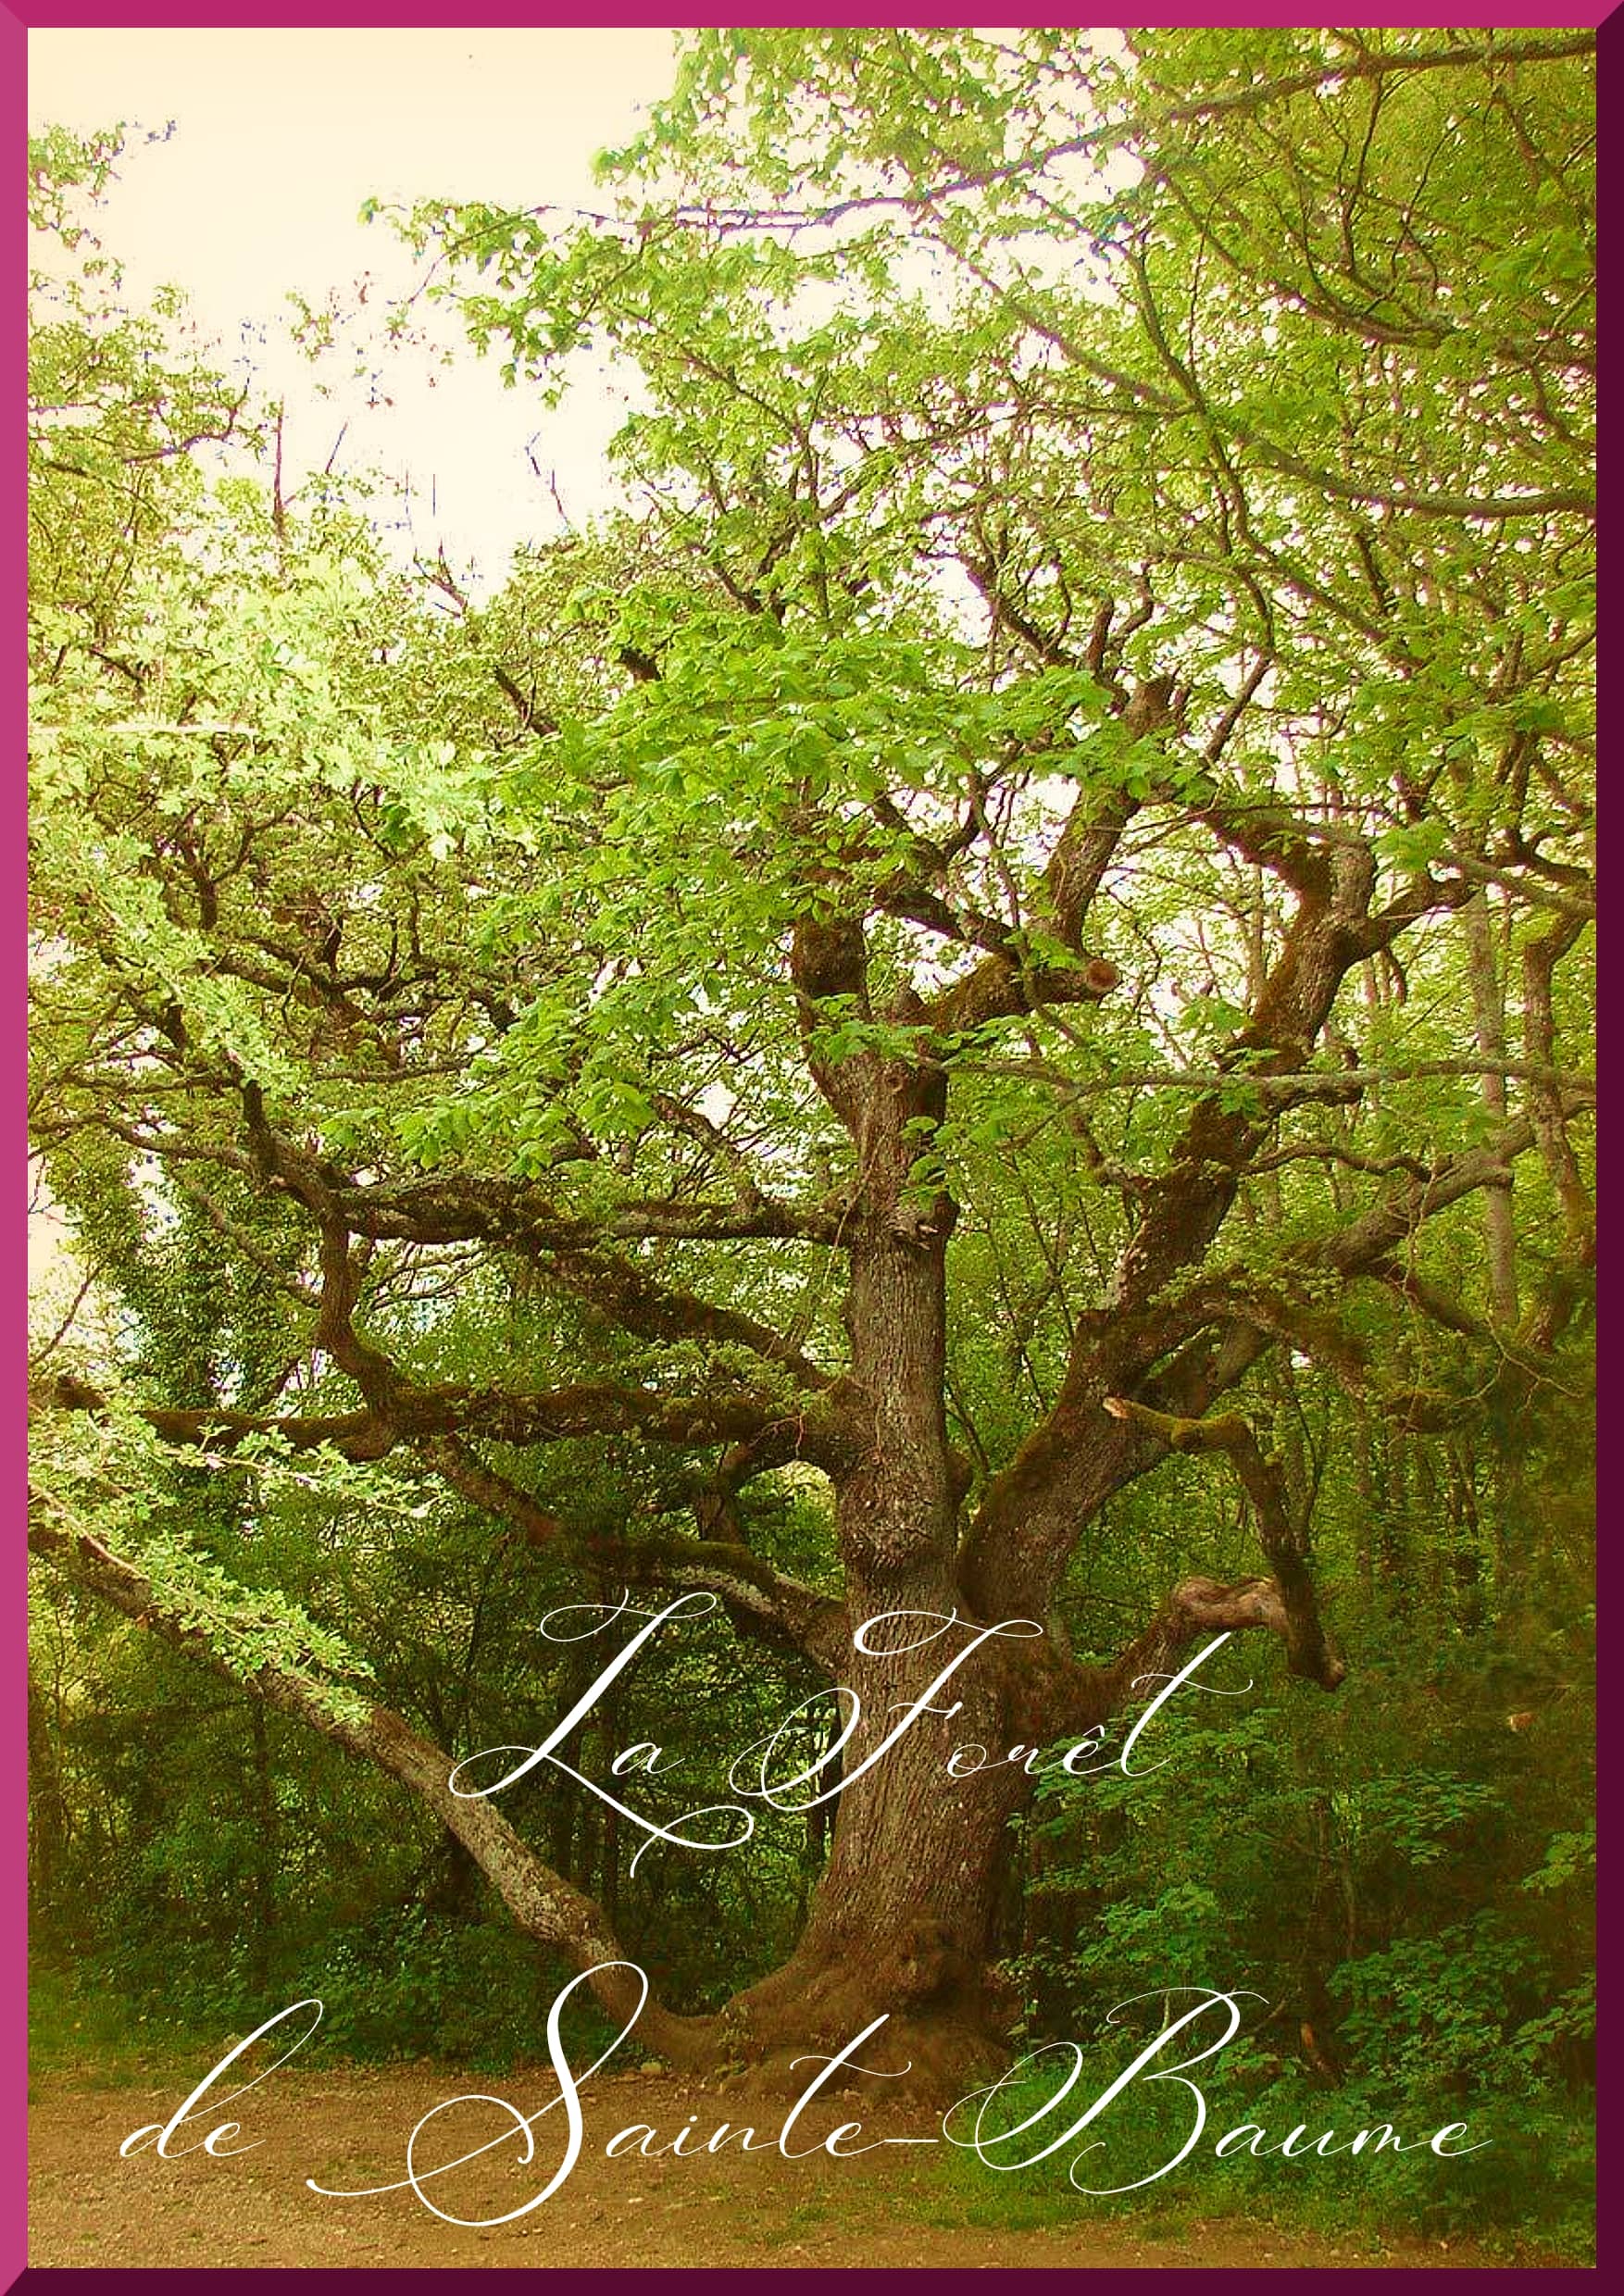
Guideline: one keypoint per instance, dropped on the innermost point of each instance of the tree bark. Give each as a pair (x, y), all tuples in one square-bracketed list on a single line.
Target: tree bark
[(902, 1921)]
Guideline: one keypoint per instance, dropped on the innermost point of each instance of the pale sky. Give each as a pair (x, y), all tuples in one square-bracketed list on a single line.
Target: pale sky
[(279, 138)]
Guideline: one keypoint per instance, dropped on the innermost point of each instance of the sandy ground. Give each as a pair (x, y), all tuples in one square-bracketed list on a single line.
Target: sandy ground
[(349, 2127)]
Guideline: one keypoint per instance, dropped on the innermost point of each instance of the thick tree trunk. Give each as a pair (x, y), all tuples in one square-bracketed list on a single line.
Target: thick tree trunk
[(903, 1924)]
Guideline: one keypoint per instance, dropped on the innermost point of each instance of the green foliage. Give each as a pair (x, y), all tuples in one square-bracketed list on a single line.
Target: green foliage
[(1397, 1889), (1165, 457), (1531, 2191)]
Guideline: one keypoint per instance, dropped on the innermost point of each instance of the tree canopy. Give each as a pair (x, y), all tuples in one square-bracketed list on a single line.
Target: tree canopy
[(1027, 892)]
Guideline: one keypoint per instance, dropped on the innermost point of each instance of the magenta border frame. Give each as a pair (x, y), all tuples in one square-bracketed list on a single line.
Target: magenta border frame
[(13, 27)]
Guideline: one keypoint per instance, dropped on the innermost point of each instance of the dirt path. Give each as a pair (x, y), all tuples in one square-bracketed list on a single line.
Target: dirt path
[(349, 2128)]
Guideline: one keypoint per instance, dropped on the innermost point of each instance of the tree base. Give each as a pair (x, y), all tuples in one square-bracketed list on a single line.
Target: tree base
[(945, 2030)]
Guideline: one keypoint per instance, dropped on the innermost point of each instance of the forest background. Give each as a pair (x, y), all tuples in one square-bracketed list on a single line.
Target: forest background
[(972, 999)]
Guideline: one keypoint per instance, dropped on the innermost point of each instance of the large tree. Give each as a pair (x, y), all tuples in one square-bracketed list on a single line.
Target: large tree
[(1042, 861)]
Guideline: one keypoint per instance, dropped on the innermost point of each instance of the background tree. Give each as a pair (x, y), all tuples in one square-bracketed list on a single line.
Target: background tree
[(1027, 895)]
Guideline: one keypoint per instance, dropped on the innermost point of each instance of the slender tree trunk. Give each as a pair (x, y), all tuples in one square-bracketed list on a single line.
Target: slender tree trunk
[(1489, 1015), (266, 1854), (47, 1805)]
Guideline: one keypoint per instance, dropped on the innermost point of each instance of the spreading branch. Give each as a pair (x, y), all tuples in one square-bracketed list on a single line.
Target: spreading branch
[(544, 1906), (1286, 1603)]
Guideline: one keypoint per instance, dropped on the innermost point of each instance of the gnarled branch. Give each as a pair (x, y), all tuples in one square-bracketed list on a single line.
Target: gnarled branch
[(1285, 1604), (543, 1906)]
